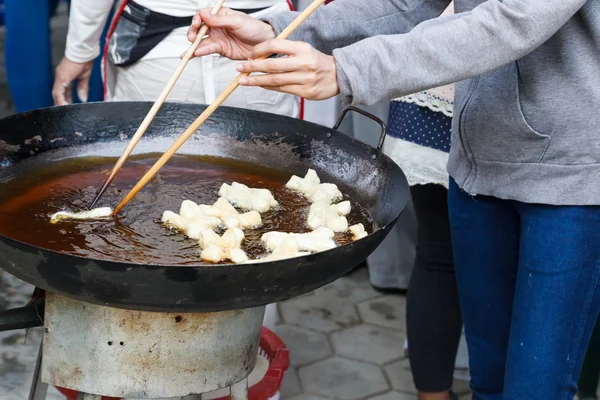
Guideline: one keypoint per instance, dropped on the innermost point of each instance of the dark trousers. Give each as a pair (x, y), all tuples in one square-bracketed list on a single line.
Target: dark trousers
[(433, 316), (590, 373)]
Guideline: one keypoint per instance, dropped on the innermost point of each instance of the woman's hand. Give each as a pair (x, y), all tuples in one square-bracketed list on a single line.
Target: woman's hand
[(66, 72), (303, 71), (232, 34)]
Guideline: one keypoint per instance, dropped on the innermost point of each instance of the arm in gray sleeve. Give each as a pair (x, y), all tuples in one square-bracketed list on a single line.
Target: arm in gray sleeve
[(344, 22), (448, 49)]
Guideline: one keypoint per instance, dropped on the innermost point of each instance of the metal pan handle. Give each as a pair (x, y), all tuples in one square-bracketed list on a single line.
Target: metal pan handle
[(368, 115), (21, 318), (29, 316)]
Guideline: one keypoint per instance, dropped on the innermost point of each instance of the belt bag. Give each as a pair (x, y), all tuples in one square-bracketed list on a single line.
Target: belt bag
[(138, 31)]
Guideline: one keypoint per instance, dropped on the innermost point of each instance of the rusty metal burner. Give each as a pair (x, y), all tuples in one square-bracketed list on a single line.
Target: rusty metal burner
[(99, 350)]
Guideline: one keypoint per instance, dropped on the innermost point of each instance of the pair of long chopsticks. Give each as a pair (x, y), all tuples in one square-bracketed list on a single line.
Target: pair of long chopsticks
[(156, 106), (208, 112)]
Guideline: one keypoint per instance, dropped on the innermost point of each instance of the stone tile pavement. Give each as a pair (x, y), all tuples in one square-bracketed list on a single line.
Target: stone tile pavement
[(346, 343)]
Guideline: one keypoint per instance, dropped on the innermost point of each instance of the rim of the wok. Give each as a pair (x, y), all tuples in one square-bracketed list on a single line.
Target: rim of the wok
[(355, 141)]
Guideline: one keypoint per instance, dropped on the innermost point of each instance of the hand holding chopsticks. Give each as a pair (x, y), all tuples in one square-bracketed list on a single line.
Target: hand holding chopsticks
[(305, 72), (208, 112), (157, 105)]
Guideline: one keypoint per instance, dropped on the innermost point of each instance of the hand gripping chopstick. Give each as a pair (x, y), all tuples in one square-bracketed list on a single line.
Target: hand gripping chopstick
[(156, 106), (208, 112)]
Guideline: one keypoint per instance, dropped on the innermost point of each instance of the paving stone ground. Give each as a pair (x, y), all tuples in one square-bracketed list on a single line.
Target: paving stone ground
[(346, 343)]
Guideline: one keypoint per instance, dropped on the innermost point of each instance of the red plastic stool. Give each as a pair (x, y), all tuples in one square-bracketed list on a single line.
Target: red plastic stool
[(72, 395), (272, 348)]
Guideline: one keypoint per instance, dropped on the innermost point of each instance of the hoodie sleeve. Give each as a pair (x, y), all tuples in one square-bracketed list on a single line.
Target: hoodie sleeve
[(448, 49), (344, 22), (86, 22)]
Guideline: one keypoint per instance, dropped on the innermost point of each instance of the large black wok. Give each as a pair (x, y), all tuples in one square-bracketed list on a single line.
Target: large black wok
[(287, 144)]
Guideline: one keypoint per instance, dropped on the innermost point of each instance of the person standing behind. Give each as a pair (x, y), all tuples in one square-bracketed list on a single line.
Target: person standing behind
[(146, 40), (419, 142), (30, 75), (419, 130)]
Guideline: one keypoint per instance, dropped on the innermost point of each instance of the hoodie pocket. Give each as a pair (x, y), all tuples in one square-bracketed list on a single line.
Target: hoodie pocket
[(493, 124)]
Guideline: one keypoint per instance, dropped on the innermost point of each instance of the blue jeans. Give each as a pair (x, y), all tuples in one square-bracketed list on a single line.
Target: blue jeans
[(528, 277), (29, 57)]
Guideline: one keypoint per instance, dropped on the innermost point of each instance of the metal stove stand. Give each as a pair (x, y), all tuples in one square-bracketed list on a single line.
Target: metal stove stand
[(124, 353)]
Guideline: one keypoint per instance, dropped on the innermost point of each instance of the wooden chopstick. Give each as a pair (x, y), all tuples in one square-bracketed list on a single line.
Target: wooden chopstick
[(156, 106), (209, 111)]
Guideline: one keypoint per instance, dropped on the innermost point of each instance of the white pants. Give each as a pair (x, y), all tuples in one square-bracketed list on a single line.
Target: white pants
[(145, 80)]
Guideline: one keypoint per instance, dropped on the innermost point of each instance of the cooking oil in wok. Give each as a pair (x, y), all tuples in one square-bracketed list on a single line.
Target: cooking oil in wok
[(136, 235)]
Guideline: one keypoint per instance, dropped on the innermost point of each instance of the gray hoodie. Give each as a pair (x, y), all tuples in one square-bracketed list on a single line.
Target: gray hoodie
[(527, 109)]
